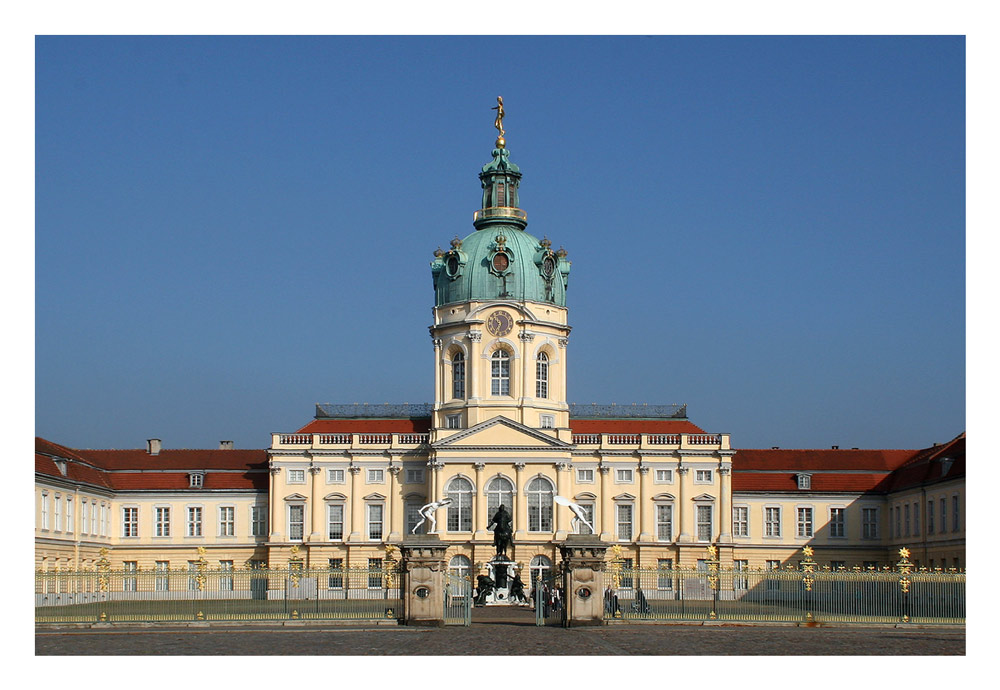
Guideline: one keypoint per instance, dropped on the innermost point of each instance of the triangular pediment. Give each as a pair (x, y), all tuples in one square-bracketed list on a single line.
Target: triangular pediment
[(499, 433), (704, 497), (295, 497)]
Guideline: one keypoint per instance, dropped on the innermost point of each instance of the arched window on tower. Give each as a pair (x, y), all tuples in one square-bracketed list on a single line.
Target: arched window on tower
[(500, 373), (458, 375), (459, 490), (540, 505), (542, 376), (499, 492)]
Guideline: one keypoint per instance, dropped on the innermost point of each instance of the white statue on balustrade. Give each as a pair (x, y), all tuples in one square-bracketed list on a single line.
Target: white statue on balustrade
[(579, 513), (427, 513)]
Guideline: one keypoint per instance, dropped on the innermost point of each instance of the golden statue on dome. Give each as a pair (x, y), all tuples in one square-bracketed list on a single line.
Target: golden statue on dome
[(498, 122)]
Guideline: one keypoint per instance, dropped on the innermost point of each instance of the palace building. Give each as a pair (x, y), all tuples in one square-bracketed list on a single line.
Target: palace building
[(499, 431)]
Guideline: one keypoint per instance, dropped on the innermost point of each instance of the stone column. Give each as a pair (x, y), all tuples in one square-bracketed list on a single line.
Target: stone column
[(607, 506), (472, 362), (423, 567), (562, 513), (647, 522), (315, 506), (725, 512), (479, 529), (357, 506), (682, 507), (276, 503), (583, 580), (393, 517), (520, 503), (438, 371), (526, 390)]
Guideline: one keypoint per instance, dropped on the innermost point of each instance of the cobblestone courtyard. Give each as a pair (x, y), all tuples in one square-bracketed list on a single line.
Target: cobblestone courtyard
[(519, 639)]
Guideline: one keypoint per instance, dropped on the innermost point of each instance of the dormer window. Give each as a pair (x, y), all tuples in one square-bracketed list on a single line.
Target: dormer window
[(196, 480), (804, 481), (61, 466)]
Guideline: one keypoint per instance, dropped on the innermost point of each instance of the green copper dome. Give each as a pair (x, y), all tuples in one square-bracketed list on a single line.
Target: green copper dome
[(500, 261)]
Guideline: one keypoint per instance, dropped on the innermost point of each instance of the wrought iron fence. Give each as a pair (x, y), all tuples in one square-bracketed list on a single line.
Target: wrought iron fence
[(791, 595), (217, 595), (457, 600)]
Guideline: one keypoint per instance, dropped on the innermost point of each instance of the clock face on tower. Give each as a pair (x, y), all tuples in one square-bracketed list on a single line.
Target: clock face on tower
[(499, 323)]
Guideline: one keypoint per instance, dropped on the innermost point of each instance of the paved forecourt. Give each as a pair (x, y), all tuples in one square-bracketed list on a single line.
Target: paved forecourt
[(522, 639)]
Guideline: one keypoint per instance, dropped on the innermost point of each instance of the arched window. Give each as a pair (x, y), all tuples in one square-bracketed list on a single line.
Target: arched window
[(542, 376), (539, 505), (460, 510), (539, 568), (499, 492), (458, 375), (459, 566), (500, 373)]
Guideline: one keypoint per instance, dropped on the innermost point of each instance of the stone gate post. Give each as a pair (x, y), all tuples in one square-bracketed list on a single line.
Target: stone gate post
[(583, 579), (423, 567)]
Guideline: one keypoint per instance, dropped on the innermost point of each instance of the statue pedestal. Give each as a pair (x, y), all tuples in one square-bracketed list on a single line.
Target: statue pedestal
[(502, 571), (424, 566), (583, 579)]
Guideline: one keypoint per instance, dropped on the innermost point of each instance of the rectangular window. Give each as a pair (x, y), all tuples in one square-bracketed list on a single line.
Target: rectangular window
[(898, 523), (944, 516), (838, 522), (194, 521), (415, 475), (227, 521), (772, 522), (296, 521), (500, 373), (624, 519), (869, 523), (296, 476), (69, 514), (627, 573), (196, 480), (375, 573), (930, 517), (453, 421), (226, 576), (773, 583), (804, 481), (954, 514), (375, 521), (129, 580), (258, 521), (83, 516), (703, 476), (804, 522), (664, 576), (335, 521), (739, 578), (162, 582), (664, 522), (57, 511), (335, 476), (413, 517), (336, 580), (588, 510), (585, 476), (162, 525), (664, 476), (93, 517), (376, 476), (130, 522), (916, 519), (741, 521), (623, 476), (906, 520), (704, 523), (547, 421), (105, 519)]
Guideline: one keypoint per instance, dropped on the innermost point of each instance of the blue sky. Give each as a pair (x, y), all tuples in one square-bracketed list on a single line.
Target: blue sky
[(229, 230)]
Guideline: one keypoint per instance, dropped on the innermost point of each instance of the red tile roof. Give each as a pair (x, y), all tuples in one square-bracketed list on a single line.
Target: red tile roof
[(776, 469), (136, 469), (936, 464), (416, 425), (633, 426)]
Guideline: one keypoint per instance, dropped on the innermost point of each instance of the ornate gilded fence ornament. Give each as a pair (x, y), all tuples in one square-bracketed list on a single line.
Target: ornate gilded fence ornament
[(615, 566), (202, 565), (905, 567), (713, 578), (103, 567), (808, 566), (390, 566), (294, 565)]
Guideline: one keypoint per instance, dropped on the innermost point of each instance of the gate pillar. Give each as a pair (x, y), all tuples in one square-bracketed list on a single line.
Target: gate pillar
[(583, 579), (423, 568)]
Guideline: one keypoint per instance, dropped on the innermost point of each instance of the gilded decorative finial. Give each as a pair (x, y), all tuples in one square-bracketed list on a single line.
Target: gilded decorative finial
[(498, 122), (904, 553), (808, 551)]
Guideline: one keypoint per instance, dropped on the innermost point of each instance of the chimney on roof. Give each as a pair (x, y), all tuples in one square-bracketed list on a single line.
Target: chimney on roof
[(774, 447), (834, 447), (225, 445), (153, 446)]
